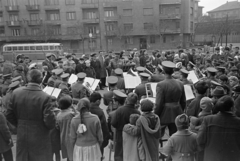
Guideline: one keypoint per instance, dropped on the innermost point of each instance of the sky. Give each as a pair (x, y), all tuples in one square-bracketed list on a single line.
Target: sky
[(212, 4)]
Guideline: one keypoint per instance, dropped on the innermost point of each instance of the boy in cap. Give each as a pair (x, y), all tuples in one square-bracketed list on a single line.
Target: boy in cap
[(140, 90), (182, 145)]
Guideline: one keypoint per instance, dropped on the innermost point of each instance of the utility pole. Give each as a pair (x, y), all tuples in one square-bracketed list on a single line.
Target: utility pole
[(227, 30), (100, 32)]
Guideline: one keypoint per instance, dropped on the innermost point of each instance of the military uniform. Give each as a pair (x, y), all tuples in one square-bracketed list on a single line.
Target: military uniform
[(64, 85), (48, 63), (58, 81), (120, 83), (51, 81), (6, 83), (79, 91), (140, 90), (157, 78)]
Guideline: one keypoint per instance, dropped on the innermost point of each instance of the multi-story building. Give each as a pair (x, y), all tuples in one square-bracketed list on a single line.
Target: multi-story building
[(90, 25)]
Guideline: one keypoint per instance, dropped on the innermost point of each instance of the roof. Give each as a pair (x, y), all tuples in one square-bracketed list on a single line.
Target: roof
[(33, 44), (227, 6)]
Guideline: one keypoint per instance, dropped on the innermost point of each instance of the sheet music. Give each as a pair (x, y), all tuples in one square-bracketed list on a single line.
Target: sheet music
[(131, 82), (56, 92), (193, 77), (52, 91), (48, 90), (92, 82), (72, 79), (188, 92)]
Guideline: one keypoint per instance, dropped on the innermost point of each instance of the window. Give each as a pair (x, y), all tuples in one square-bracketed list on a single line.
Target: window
[(109, 27), (15, 32), (56, 30), (148, 26), (177, 10), (15, 48), (51, 2), (71, 30), (34, 16), (39, 47), (191, 26), (2, 31), (177, 24), (20, 48), (192, 11), (147, 11), (70, 2), (129, 40), (90, 15), (35, 31), (53, 15), (13, 17), (9, 48), (92, 43), (92, 29), (51, 47), (127, 12), (71, 15), (32, 47), (109, 13), (164, 39), (110, 41), (128, 27), (172, 38), (12, 2), (1, 17), (26, 48), (152, 39), (89, 1), (160, 9), (33, 2)]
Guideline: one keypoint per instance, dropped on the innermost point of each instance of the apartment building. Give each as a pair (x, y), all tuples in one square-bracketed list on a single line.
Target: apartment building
[(92, 25)]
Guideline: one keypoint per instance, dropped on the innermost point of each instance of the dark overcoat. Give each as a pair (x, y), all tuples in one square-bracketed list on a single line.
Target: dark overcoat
[(97, 68), (30, 110)]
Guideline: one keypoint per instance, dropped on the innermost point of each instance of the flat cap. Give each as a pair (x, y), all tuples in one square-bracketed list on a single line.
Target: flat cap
[(112, 80), (119, 94), (16, 78), (184, 71), (144, 75), (118, 71), (168, 64), (7, 76), (14, 84), (49, 54), (140, 69), (93, 54), (65, 75), (211, 70), (81, 75)]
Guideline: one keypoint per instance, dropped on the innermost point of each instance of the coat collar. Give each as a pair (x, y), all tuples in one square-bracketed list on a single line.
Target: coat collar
[(34, 87), (183, 132)]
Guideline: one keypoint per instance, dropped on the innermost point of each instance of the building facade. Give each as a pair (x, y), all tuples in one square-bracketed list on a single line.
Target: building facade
[(91, 25)]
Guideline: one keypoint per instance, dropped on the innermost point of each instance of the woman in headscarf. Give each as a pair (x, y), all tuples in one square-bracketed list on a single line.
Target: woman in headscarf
[(86, 134)]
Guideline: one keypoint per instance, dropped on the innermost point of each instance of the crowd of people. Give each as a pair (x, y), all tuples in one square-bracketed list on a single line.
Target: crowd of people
[(73, 126)]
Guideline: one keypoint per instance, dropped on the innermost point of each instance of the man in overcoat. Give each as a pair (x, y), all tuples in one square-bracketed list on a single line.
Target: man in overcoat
[(30, 110)]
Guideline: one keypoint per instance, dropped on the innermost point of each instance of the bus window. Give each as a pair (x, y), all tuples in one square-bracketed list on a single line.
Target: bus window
[(45, 47), (39, 47), (20, 48), (51, 47), (57, 47), (9, 48), (15, 48), (32, 47), (26, 48)]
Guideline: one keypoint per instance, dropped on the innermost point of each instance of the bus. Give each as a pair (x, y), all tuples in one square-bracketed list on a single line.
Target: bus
[(35, 51)]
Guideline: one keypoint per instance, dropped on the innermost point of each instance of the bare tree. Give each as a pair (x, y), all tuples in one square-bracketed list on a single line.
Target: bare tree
[(123, 34), (46, 32)]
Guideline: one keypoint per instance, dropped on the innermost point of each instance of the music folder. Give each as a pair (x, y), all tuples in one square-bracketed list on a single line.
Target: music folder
[(52, 91), (151, 91), (193, 77), (131, 80), (188, 92)]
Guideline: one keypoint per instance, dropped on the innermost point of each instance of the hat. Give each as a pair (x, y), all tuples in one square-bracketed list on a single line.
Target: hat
[(223, 78), (19, 56), (68, 56), (118, 71), (234, 68), (211, 70), (7, 76), (58, 71), (182, 121), (48, 55), (93, 54), (81, 58), (168, 64), (184, 71), (236, 89), (112, 80), (146, 105), (218, 91), (14, 84), (140, 69), (16, 78), (33, 65), (19, 68), (119, 94), (144, 75), (81, 75), (221, 69), (65, 75), (87, 61), (206, 104)]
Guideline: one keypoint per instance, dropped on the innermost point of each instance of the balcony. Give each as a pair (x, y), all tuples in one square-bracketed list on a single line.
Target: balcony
[(170, 2), (12, 8), (111, 33), (95, 20), (13, 23), (34, 22), (33, 7), (89, 5), (110, 4), (170, 16), (109, 19), (170, 31)]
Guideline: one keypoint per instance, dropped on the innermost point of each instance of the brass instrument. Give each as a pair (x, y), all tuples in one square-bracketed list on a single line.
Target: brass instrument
[(87, 85)]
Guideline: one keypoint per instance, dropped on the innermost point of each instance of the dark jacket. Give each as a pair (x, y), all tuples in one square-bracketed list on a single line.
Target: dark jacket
[(170, 100), (97, 68), (140, 90), (49, 64), (30, 110), (119, 119), (194, 107), (90, 72), (157, 78), (80, 68), (219, 137)]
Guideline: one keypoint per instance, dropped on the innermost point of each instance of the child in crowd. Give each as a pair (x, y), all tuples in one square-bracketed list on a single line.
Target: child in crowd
[(182, 145), (130, 142)]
